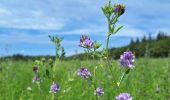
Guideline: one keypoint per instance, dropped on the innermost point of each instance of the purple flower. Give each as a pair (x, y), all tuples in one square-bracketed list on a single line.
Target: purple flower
[(35, 69), (119, 9), (127, 59), (88, 43), (54, 88), (36, 79), (83, 72), (85, 42), (99, 91), (83, 38), (124, 96)]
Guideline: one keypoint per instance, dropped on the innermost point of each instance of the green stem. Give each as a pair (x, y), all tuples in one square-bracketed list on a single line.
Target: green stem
[(108, 37), (122, 77), (94, 82), (94, 73), (53, 96), (97, 97), (38, 84), (54, 67), (88, 53), (107, 44)]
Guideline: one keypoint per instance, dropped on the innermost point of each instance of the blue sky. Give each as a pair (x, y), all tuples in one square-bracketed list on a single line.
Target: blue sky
[(25, 25)]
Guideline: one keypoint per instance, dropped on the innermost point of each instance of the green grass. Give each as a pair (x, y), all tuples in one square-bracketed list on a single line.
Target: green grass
[(141, 82)]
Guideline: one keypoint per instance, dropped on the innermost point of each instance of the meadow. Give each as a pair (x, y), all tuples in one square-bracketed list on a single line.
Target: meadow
[(135, 75), (149, 80)]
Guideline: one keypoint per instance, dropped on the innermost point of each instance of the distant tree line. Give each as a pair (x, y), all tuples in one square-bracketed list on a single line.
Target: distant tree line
[(158, 46), (26, 57)]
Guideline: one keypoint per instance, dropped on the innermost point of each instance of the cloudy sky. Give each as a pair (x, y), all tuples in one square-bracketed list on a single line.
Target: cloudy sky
[(26, 24)]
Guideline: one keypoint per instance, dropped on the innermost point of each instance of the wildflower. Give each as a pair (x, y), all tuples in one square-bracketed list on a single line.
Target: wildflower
[(88, 43), (127, 59), (124, 96), (83, 72), (35, 69), (83, 38), (36, 79), (54, 88), (85, 42), (99, 91), (29, 88), (51, 61), (119, 9)]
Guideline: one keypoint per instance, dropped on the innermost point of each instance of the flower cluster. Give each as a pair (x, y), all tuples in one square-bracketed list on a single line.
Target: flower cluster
[(124, 96), (119, 9), (127, 59), (99, 91), (85, 42), (54, 88), (36, 79), (83, 72)]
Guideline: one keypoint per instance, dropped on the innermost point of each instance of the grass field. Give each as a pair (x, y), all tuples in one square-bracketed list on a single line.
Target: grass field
[(149, 80)]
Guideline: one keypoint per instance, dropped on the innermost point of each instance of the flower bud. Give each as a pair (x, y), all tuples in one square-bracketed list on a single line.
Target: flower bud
[(119, 9)]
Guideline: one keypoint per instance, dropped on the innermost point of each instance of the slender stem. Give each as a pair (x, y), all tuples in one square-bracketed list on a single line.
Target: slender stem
[(94, 50), (94, 72), (107, 43), (53, 96), (38, 84), (97, 97), (94, 82), (123, 75), (88, 55), (108, 37), (54, 67)]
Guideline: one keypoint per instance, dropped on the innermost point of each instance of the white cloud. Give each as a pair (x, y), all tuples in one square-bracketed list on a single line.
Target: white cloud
[(15, 38), (43, 15), (77, 17), (131, 32), (56, 15), (90, 30), (4, 12)]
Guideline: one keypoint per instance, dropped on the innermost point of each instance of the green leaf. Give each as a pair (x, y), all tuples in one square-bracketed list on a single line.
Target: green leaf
[(114, 20), (111, 30), (103, 10), (96, 45), (127, 72), (119, 29)]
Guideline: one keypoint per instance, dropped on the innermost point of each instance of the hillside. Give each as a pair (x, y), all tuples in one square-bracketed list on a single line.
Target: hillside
[(148, 47)]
